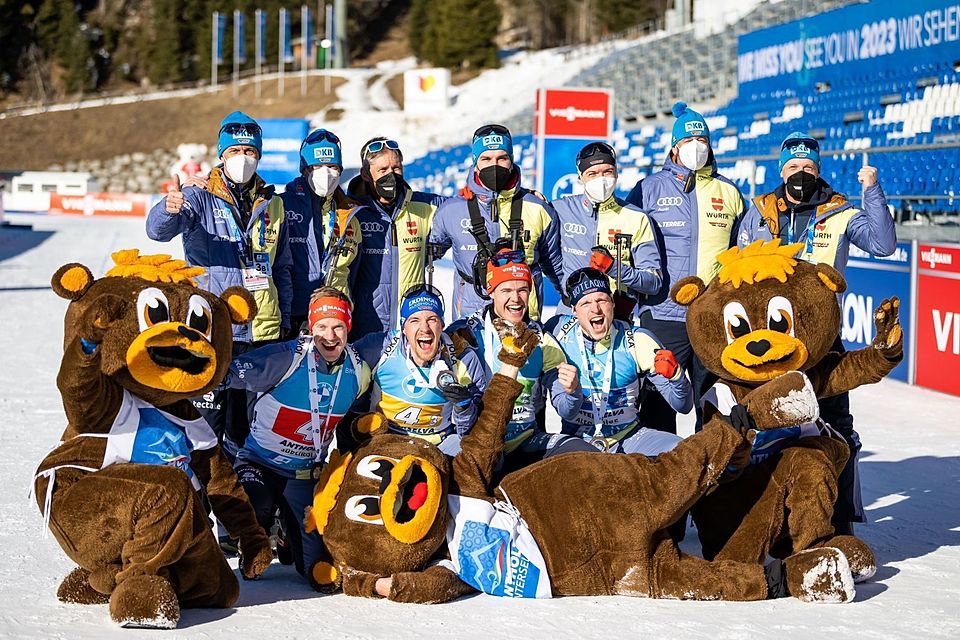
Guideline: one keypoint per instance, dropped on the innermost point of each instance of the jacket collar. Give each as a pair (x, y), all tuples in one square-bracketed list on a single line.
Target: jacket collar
[(217, 184)]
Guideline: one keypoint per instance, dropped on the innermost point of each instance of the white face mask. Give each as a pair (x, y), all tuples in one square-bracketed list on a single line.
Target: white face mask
[(693, 155), (324, 180), (599, 189), (240, 168)]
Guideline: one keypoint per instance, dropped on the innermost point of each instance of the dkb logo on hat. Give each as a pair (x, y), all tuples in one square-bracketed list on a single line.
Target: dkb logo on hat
[(492, 140), (695, 126), (323, 153)]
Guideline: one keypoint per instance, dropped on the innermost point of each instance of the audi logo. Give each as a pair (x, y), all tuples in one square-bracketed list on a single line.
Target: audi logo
[(464, 223), (571, 227), (371, 226), (294, 216), (670, 202)]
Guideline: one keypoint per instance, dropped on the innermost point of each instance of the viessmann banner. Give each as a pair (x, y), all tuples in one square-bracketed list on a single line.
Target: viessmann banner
[(864, 38)]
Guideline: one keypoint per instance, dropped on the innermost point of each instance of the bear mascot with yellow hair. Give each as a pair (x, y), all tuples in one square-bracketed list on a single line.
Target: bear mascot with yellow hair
[(764, 315), (120, 493), (403, 521)]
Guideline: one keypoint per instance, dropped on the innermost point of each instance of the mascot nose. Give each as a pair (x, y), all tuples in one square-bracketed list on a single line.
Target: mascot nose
[(190, 334), (758, 347)]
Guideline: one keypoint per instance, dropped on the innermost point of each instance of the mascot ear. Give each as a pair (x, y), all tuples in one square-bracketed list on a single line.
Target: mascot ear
[(71, 281), (831, 278), (687, 290), (241, 304)]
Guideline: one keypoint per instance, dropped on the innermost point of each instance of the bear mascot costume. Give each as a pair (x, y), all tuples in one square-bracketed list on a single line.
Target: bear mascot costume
[(765, 314), (401, 520), (121, 491)]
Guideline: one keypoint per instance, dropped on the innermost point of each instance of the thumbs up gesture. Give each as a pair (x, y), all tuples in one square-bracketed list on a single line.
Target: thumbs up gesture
[(174, 199)]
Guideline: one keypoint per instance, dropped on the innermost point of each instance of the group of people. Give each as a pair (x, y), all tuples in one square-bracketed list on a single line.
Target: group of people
[(348, 320)]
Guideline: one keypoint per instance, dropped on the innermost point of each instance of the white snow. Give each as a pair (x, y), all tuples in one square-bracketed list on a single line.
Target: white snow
[(911, 482), (834, 570)]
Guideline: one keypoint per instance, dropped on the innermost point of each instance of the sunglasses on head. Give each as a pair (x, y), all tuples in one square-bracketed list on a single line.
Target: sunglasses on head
[(487, 129), (811, 143), (376, 146), (242, 129), (417, 289), (504, 258), (321, 134), (586, 273), (595, 148)]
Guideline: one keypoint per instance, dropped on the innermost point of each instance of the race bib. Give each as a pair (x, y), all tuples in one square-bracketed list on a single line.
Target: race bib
[(492, 549), (257, 277)]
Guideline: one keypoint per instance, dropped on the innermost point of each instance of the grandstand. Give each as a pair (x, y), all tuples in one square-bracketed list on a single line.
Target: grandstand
[(905, 119)]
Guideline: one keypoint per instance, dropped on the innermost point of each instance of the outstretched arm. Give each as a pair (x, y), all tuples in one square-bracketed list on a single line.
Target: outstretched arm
[(433, 585)]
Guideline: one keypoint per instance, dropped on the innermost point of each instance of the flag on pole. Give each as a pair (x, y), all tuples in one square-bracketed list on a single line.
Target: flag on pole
[(285, 45), (306, 32), (238, 32), (261, 19), (220, 23)]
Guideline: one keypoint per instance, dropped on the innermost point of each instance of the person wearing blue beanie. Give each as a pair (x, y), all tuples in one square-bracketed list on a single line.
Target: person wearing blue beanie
[(688, 124), (801, 146), (239, 129)]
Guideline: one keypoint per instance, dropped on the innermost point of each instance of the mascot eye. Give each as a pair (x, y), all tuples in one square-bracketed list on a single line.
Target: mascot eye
[(735, 322), (152, 308), (199, 315), (363, 509), (375, 467), (780, 315)]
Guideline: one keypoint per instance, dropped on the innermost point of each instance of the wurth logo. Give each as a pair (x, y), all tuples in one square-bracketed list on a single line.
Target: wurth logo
[(571, 113), (717, 204)]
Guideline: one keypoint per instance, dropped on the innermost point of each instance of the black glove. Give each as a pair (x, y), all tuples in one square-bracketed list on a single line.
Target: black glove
[(743, 422), (455, 393)]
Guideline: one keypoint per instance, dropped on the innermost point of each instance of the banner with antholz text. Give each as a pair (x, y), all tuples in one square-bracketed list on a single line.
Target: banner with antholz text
[(100, 204)]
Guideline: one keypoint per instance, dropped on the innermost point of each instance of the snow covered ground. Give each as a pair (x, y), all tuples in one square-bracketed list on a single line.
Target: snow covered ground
[(911, 483)]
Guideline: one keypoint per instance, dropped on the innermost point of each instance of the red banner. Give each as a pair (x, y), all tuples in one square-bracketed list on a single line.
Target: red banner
[(100, 204), (582, 113), (938, 318)]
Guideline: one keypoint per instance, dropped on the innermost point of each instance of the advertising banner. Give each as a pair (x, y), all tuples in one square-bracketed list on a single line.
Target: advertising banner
[(426, 91), (938, 317), (281, 149), (860, 38), (100, 204), (871, 280)]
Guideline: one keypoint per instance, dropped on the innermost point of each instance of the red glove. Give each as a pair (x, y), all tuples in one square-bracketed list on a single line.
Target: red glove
[(600, 259), (665, 363)]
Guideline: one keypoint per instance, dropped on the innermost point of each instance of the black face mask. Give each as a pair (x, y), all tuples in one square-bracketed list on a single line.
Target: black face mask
[(386, 186), (801, 186), (495, 177)]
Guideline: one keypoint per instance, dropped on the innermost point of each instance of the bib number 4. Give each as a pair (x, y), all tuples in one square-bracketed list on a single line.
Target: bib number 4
[(410, 415)]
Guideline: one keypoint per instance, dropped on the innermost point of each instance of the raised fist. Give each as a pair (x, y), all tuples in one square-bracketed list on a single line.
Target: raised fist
[(100, 316), (517, 342)]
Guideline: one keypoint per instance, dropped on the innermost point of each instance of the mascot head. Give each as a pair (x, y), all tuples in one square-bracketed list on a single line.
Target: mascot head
[(764, 314), (160, 334)]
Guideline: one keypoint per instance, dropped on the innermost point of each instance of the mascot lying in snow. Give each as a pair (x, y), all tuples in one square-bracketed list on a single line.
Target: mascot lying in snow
[(576, 524), (120, 491), (766, 314)]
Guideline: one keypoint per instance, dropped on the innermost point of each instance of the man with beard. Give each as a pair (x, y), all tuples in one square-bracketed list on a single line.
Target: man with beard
[(612, 358), (394, 226), (509, 283), (422, 387), (804, 208), (304, 387), (493, 211)]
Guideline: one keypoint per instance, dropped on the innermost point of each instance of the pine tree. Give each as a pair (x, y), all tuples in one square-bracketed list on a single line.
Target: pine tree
[(419, 18), (461, 34)]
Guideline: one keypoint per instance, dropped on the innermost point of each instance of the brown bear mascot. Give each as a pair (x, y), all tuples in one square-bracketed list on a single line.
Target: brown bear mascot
[(766, 314), (403, 521), (120, 493)]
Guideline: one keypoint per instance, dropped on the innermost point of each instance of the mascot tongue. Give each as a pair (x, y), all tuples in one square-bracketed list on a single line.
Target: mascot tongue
[(419, 496)]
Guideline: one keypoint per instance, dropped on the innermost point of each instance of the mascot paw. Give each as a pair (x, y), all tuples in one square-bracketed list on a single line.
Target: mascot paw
[(145, 601), (517, 342), (463, 339), (819, 576), (255, 557), (860, 557), (787, 400), (76, 589), (324, 577), (889, 335)]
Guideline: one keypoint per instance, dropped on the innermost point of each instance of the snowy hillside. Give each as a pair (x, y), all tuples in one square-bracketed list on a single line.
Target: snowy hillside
[(911, 482)]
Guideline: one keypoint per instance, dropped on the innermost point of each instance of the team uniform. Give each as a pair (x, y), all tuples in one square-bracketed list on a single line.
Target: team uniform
[(316, 226), (584, 225), (409, 396), (393, 254), (538, 375), (300, 400), (534, 219), (610, 375)]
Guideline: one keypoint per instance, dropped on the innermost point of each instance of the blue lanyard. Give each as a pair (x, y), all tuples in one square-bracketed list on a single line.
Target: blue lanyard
[(810, 231), (240, 239)]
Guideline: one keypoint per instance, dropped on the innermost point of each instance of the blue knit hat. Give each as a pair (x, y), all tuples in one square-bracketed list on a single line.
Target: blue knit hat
[(239, 129), (320, 147), (492, 137), (585, 281), (689, 124), (420, 299), (799, 145)]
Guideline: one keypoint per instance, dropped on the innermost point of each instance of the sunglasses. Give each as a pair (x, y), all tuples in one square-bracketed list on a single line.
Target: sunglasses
[(586, 273), (242, 129), (595, 148), (504, 258), (793, 142), (321, 134), (376, 146), (488, 129), (417, 289)]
